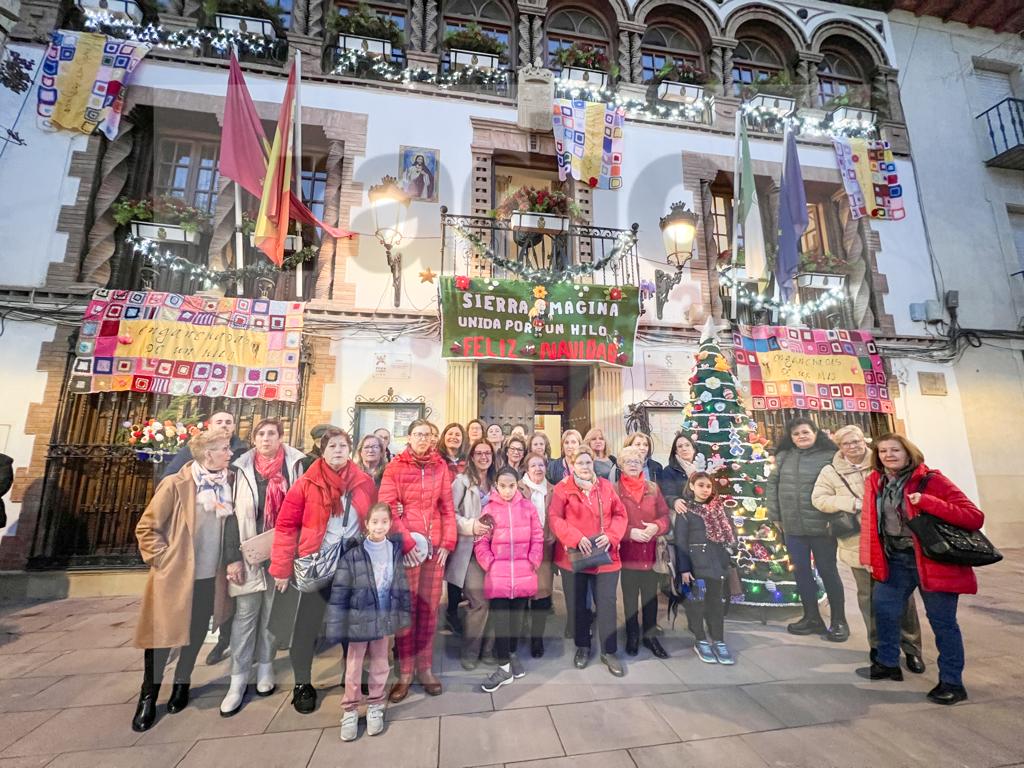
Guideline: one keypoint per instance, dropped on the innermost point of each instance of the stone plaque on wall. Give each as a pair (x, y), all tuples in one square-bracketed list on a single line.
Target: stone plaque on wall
[(932, 383)]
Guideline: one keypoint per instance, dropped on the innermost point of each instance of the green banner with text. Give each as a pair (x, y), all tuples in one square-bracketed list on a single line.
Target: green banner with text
[(529, 322)]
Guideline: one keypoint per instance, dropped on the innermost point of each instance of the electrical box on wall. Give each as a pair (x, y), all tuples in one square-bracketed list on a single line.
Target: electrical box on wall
[(926, 312)]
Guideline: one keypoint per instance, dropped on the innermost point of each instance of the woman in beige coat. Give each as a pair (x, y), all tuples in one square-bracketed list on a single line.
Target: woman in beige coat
[(179, 538), (840, 488)]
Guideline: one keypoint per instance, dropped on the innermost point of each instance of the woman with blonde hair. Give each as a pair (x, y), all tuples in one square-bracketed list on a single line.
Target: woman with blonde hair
[(603, 460), (572, 440), (540, 445), (370, 457), (652, 469)]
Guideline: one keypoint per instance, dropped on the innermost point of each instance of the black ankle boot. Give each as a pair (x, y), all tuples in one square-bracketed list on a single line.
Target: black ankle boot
[(179, 698), (632, 643), (145, 712), (808, 625)]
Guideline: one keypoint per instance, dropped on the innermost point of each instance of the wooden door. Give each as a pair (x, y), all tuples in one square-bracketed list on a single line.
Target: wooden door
[(506, 396)]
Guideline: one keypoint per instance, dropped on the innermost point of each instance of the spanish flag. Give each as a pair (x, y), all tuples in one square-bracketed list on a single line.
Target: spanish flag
[(272, 222)]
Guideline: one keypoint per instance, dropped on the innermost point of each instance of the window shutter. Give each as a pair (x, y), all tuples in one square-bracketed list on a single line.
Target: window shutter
[(993, 87), (1017, 222)]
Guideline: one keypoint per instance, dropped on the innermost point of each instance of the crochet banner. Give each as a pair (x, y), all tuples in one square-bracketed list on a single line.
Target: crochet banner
[(169, 344), (588, 142), (83, 82), (869, 177), (815, 370), (522, 321)]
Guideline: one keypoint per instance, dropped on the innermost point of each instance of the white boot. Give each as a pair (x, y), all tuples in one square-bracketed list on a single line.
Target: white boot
[(265, 679), (236, 693)]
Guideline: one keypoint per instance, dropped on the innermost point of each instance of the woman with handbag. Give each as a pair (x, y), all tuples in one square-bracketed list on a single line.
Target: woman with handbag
[(179, 538), (839, 493), (262, 478), (589, 521), (801, 454), (538, 491), (648, 518), (323, 510), (899, 489)]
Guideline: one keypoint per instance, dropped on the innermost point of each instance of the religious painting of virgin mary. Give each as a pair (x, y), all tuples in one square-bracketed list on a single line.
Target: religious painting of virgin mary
[(417, 172)]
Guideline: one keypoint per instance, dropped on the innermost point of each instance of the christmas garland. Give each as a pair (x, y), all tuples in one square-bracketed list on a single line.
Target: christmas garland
[(805, 125), (150, 251), (361, 62), (790, 310), (221, 40)]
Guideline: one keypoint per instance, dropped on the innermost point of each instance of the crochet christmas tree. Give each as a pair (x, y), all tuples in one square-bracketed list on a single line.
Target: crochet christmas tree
[(730, 449)]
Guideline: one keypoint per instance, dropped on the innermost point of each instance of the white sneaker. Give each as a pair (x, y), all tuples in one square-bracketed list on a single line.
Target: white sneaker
[(350, 726), (374, 719), (265, 679), (236, 693)]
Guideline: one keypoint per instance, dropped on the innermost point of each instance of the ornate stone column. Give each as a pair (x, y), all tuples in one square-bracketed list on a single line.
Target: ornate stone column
[(807, 78), (858, 269), (417, 18), (327, 263), (114, 169), (885, 93), (721, 63), (462, 404), (607, 408), (530, 32)]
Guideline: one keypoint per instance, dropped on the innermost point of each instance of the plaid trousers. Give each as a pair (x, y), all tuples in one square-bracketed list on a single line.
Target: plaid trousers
[(415, 643)]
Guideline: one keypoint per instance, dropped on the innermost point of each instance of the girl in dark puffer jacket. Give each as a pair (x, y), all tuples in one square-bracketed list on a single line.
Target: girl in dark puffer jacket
[(369, 603)]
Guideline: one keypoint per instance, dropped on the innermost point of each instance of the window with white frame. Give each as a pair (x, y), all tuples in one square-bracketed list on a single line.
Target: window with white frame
[(753, 60), (664, 44)]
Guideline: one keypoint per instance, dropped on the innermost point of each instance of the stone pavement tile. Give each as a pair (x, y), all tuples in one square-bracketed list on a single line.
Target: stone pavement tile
[(529, 693), (997, 677), (162, 756), (89, 690), (25, 664), (999, 722), (498, 737), (35, 761), (91, 621), (91, 662), (27, 623), (607, 724), (696, 674), (836, 745), (454, 701), (16, 694), (790, 661), (810, 703), (202, 720), (644, 677), (409, 744), (77, 729), (707, 753), (269, 750), (96, 637), (15, 725), (616, 759), (709, 713), (326, 715), (18, 643)]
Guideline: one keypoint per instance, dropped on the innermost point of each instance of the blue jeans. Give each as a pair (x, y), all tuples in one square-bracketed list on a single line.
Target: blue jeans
[(889, 602)]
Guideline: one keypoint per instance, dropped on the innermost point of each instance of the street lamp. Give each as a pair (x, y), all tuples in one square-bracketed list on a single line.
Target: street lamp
[(677, 231), (390, 204)]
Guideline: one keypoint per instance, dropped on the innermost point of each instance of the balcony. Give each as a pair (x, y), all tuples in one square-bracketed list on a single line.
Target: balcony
[(1003, 128), (613, 251)]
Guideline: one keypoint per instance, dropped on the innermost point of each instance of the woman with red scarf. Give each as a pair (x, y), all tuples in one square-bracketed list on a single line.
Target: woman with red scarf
[(417, 487), (262, 478), (329, 503)]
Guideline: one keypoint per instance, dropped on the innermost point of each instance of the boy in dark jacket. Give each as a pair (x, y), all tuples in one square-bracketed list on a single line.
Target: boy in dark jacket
[(369, 603)]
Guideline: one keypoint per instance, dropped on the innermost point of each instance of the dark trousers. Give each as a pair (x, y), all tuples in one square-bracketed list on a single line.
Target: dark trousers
[(224, 632), (155, 659), (709, 611), (308, 619), (454, 598), (890, 600), (507, 620), (824, 550), (603, 586), (642, 585), (540, 607)]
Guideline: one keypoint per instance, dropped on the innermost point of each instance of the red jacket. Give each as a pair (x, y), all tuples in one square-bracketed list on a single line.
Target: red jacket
[(511, 554), (302, 521), (423, 489), (638, 555), (573, 516), (940, 498)]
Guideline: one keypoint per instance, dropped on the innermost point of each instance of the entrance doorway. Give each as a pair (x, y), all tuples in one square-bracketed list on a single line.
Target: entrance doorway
[(547, 398)]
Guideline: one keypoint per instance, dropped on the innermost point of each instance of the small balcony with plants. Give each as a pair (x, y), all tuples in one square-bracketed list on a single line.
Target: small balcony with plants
[(584, 65), (252, 26), (476, 61), (683, 87), (362, 44), (1001, 128)]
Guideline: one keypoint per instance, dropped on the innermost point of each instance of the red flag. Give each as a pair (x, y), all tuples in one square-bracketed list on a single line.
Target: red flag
[(272, 222), (244, 150)]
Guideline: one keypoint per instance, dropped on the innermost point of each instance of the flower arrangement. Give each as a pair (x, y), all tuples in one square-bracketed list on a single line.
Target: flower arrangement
[(826, 262), (155, 438), (682, 73), (854, 97), (779, 84), (536, 200), (582, 55), (163, 210), (363, 22), (474, 39)]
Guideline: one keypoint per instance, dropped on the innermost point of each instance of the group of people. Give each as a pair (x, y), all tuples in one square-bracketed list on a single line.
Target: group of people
[(353, 544)]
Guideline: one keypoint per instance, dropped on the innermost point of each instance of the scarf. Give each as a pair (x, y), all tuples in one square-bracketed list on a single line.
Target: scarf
[(635, 487), (272, 470), (538, 495), (213, 490), (715, 521), (688, 467), (891, 494), (585, 486), (337, 482)]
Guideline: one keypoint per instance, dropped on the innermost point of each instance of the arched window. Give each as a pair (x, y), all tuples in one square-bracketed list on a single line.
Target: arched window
[(753, 61), (838, 74), (490, 15), (570, 26), (663, 44), (386, 9)]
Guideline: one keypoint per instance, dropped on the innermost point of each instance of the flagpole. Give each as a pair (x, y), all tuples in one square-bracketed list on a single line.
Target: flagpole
[(239, 236), (735, 214), (298, 162)]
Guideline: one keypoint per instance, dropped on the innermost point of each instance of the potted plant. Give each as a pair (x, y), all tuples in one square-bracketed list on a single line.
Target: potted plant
[(363, 30), (166, 219), (473, 47), (255, 17), (821, 270), (684, 83), (157, 439), (291, 242), (538, 210), (854, 106), (583, 62), (776, 94)]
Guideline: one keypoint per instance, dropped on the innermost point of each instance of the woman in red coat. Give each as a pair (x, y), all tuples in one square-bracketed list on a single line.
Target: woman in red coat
[(899, 488), (417, 487), (329, 502), (586, 515), (648, 519)]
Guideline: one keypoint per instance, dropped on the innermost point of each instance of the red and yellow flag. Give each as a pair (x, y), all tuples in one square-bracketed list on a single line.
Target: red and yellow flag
[(272, 221)]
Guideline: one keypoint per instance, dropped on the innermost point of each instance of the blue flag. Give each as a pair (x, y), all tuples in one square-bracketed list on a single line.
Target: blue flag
[(792, 218)]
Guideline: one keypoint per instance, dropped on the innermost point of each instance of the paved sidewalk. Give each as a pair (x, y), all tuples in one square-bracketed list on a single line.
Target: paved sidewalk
[(69, 679)]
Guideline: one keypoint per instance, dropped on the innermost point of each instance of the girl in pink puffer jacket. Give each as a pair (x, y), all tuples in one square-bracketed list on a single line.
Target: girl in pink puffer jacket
[(510, 555)]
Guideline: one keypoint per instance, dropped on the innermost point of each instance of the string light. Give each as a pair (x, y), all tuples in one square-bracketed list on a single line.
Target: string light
[(789, 310), (777, 120), (155, 257), (576, 89), (221, 40), (358, 61)]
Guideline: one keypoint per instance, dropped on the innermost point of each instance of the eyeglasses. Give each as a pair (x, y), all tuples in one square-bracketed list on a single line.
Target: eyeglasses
[(851, 443), (482, 454), (633, 462), (421, 435), (515, 448)]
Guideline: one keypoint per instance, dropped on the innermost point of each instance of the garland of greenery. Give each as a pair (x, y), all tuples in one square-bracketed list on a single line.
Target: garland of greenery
[(150, 251)]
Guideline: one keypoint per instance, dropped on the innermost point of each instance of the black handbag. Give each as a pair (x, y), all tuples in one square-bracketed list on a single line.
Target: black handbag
[(947, 543), (843, 524), (597, 556)]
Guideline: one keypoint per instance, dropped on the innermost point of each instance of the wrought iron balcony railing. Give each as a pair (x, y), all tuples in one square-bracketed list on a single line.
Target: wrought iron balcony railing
[(1003, 126)]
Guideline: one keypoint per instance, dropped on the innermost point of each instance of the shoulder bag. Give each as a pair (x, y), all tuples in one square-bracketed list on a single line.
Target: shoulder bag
[(947, 543), (843, 524), (315, 571), (597, 556)]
